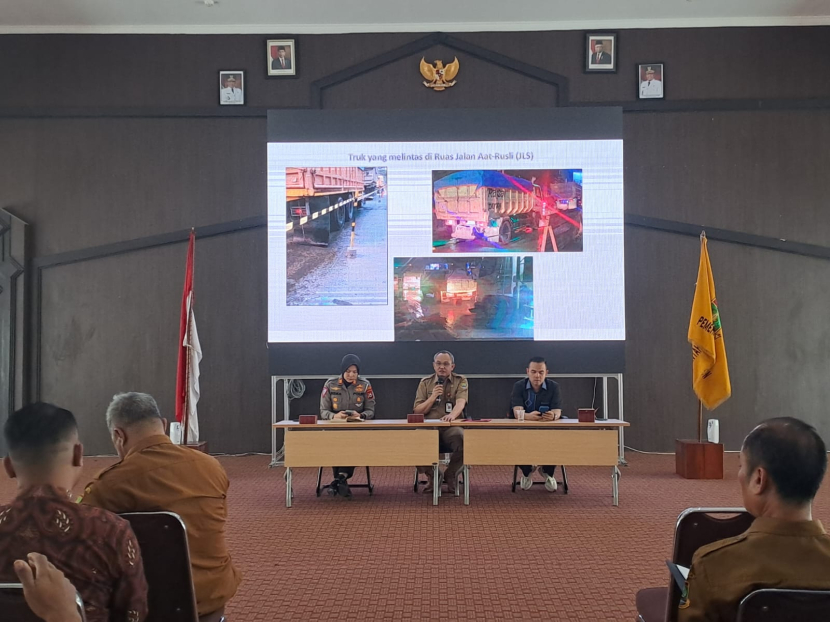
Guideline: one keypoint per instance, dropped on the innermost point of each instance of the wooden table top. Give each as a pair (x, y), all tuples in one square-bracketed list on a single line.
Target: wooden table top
[(370, 423), (437, 423)]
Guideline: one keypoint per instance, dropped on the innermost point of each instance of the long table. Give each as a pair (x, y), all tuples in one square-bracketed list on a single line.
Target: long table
[(507, 442), (563, 442), (377, 442)]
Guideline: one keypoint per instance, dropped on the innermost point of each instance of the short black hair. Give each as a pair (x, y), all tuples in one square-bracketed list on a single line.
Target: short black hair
[(32, 432), (793, 454), (537, 359)]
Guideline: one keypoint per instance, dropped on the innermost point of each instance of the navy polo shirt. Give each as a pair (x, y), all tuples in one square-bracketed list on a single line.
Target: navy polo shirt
[(524, 395)]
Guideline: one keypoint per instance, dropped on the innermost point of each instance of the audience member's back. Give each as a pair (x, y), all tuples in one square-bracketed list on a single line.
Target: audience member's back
[(783, 462), (155, 474), (95, 549)]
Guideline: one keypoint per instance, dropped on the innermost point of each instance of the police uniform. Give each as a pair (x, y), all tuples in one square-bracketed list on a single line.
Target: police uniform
[(772, 553), (337, 396), (455, 388)]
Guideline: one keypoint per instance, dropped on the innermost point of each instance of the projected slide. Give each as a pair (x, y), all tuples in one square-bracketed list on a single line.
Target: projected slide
[(445, 241)]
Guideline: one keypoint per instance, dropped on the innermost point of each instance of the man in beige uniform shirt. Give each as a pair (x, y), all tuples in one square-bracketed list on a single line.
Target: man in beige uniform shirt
[(443, 395), (783, 461)]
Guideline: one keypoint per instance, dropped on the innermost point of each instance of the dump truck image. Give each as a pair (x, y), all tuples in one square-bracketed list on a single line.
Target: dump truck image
[(486, 204), (329, 192), (496, 207)]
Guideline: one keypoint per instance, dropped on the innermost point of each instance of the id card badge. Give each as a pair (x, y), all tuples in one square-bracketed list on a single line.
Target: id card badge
[(448, 408)]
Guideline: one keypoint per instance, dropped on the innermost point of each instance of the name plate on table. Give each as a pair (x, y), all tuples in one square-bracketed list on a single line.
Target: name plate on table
[(308, 419), (586, 415), (414, 418)]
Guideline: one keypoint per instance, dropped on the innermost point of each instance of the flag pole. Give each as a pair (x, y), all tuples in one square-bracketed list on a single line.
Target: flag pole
[(700, 421)]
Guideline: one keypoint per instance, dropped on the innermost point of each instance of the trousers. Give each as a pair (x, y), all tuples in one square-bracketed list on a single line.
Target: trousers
[(452, 439)]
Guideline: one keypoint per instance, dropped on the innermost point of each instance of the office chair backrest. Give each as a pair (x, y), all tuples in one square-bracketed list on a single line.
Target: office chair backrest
[(14, 607), (697, 527), (777, 605), (162, 538)]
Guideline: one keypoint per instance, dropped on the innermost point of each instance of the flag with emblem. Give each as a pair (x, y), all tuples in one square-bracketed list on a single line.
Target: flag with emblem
[(710, 374), (190, 354)]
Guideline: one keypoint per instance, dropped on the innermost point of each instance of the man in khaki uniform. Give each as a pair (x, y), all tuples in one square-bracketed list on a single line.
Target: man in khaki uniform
[(443, 395), (783, 461), (343, 396)]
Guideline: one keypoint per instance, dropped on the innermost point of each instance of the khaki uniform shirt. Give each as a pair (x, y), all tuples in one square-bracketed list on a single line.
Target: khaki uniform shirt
[(158, 475), (455, 388), (770, 554), (337, 397)]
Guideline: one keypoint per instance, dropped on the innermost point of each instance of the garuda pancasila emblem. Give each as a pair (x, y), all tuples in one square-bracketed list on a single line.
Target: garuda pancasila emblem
[(439, 77)]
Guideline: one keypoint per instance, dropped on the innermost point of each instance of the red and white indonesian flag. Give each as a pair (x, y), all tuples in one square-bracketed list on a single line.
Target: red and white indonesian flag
[(190, 353)]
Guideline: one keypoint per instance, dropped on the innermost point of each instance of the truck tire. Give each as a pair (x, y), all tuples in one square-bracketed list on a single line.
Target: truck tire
[(337, 218), (505, 231), (349, 211)]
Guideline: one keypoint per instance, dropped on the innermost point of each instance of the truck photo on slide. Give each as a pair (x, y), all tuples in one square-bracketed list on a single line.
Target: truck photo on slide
[(507, 211), (460, 298), (336, 242)]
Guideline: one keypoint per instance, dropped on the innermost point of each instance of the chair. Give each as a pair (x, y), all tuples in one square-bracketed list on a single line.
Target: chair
[(564, 479), (16, 609), (162, 538), (321, 488), (778, 605), (696, 527)]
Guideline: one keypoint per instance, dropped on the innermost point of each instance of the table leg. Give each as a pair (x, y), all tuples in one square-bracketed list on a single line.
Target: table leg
[(436, 486), (288, 491), (615, 485), (466, 470)]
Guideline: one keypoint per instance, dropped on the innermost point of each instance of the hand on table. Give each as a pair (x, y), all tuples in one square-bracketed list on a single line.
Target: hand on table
[(47, 591), (550, 416), (533, 416), (448, 418), (341, 415)]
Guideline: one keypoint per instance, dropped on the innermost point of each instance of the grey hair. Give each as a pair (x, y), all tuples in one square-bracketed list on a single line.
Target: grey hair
[(447, 352), (128, 409)]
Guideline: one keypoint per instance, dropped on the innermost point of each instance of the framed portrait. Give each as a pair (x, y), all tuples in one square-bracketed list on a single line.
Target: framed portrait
[(651, 81), (232, 88), (601, 52), (281, 57)]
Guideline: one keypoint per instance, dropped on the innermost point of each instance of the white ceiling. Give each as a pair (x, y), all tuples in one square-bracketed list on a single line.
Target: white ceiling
[(341, 16)]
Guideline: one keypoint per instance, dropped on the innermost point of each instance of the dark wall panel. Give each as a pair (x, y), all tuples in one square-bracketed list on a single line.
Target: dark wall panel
[(773, 308), (110, 324), (109, 180), (763, 173)]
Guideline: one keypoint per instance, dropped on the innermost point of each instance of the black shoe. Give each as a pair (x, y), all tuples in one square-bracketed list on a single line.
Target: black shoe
[(331, 489), (342, 487)]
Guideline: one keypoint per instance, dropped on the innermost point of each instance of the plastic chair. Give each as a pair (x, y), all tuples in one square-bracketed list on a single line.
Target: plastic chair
[(162, 538), (696, 527), (564, 479), (16, 609), (320, 488)]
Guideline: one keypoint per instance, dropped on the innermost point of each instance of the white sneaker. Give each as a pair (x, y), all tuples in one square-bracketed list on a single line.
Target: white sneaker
[(550, 483), (527, 482)]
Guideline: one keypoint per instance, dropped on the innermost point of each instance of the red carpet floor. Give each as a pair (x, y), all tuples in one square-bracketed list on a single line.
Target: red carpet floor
[(532, 555)]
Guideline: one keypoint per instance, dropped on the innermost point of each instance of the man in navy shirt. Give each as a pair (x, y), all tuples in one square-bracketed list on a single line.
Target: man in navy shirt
[(540, 400)]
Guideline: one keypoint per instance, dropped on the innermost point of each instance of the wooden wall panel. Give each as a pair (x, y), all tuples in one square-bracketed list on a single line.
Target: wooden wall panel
[(111, 325), (773, 308), (179, 160), (763, 173), (480, 84), (102, 181)]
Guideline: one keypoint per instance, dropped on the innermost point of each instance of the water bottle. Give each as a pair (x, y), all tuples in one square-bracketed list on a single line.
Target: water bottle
[(713, 431)]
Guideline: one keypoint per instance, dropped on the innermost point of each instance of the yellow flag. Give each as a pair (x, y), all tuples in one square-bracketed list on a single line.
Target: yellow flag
[(710, 374)]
